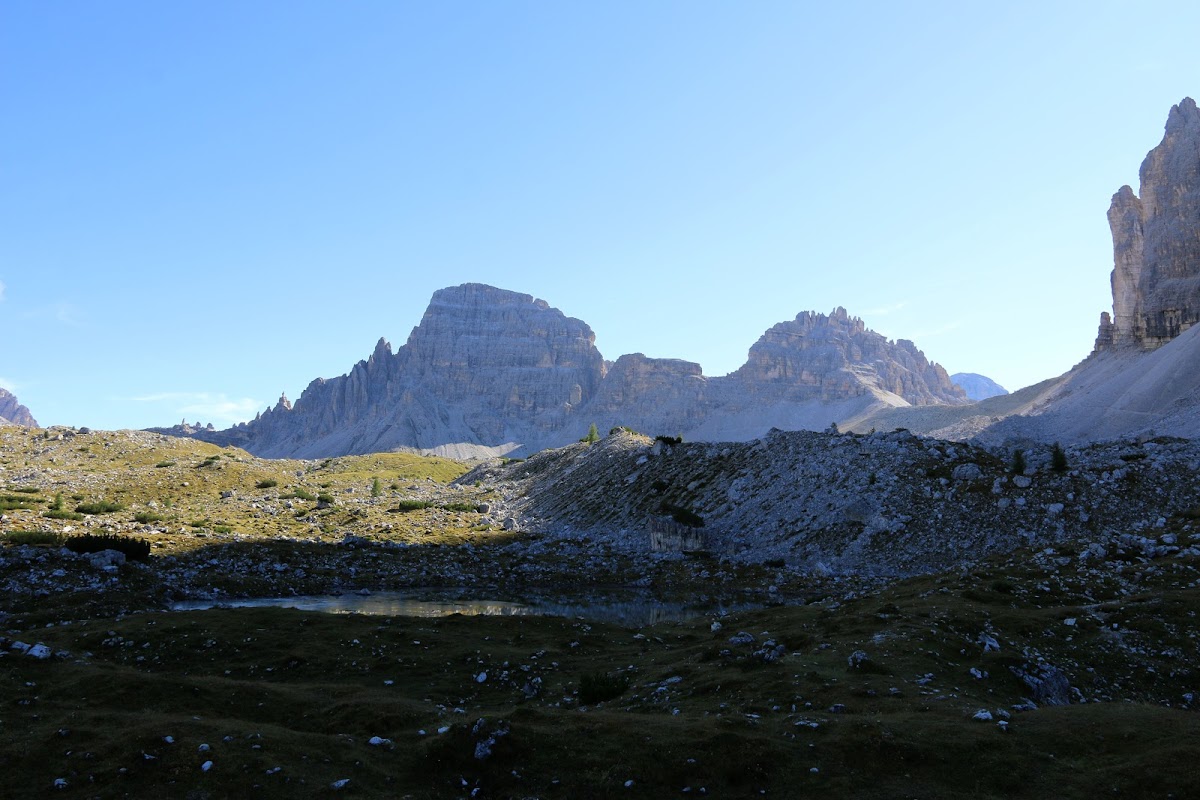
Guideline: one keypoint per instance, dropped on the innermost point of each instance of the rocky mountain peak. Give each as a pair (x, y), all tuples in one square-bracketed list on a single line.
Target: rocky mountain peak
[(12, 411), (487, 371), (1156, 242), (832, 357)]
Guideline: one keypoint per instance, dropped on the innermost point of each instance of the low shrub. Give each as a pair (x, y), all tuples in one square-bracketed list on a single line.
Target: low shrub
[(299, 494), (162, 464), (100, 507), (26, 489), (669, 439), (134, 549), (463, 507), (146, 517), (409, 505), (269, 483), (58, 513), (596, 687), (52, 538)]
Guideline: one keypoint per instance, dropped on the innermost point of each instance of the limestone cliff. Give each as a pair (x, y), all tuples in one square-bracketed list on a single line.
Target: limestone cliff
[(13, 412), (1156, 242), (489, 371)]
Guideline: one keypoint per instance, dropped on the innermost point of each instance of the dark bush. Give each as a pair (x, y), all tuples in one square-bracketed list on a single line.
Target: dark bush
[(669, 439), (1017, 466), (269, 483), (596, 687), (146, 517), (299, 494), (162, 464), (134, 549), (682, 515)]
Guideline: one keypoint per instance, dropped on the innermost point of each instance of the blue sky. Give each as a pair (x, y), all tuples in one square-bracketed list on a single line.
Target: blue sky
[(206, 203)]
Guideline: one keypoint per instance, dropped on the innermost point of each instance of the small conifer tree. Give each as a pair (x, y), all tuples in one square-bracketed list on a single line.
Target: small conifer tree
[(593, 435), (1018, 462), (1058, 459)]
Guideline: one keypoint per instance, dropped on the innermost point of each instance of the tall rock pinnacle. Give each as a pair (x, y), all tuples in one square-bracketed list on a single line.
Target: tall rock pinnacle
[(1156, 242)]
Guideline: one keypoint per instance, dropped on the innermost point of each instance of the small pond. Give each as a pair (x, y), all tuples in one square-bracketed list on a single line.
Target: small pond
[(622, 607)]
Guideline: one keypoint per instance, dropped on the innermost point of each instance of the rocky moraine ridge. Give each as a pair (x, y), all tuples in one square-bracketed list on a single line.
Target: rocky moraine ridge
[(881, 504), (489, 372)]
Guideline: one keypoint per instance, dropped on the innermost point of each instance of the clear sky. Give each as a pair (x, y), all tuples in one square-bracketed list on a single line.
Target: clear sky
[(203, 204)]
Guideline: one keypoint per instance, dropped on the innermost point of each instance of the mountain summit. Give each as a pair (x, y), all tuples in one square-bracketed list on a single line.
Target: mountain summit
[(13, 412), (489, 371)]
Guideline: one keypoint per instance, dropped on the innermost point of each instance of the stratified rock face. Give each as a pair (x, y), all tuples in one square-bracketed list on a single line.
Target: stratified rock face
[(13, 412), (830, 358), (978, 387), (489, 370), (1156, 242)]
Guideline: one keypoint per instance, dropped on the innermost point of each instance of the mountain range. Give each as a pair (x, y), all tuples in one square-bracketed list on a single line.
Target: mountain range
[(492, 372)]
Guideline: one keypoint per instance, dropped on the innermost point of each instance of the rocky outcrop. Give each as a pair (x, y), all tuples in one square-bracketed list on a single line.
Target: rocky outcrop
[(13, 412), (978, 387), (488, 372), (1156, 242)]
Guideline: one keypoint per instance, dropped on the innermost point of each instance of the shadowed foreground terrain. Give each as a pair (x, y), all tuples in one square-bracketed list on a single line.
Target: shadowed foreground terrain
[(874, 697), (1063, 670)]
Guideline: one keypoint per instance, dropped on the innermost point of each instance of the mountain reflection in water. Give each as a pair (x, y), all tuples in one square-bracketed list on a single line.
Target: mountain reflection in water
[(623, 608)]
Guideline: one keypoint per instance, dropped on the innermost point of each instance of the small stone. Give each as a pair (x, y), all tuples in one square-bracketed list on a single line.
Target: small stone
[(339, 784), (983, 715), (206, 766)]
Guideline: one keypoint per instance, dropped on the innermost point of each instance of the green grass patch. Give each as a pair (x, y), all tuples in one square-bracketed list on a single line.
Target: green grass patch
[(99, 507), (58, 513), (11, 502)]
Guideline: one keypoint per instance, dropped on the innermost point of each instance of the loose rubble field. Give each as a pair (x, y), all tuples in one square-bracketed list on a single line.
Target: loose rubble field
[(1062, 666)]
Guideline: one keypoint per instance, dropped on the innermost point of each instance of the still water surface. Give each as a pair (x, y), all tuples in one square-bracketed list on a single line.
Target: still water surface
[(622, 607)]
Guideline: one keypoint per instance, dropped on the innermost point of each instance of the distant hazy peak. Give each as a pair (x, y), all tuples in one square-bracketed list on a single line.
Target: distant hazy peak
[(978, 387)]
